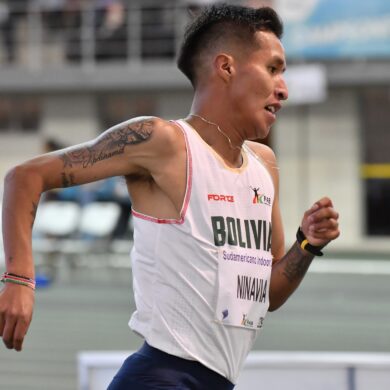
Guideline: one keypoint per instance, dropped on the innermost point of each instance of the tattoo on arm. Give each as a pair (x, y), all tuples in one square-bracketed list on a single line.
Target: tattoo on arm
[(110, 144), (67, 180), (296, 263)]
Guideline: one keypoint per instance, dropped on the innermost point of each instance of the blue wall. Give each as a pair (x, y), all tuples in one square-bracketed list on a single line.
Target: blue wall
[(338, 29)]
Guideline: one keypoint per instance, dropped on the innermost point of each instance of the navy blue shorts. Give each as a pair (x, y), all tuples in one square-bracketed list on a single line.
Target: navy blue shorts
[(152, 369)]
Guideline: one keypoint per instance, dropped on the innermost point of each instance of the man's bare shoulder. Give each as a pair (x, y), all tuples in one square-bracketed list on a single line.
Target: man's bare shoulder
[(162, 132), (152, 121), (265, 153), (267, 157)]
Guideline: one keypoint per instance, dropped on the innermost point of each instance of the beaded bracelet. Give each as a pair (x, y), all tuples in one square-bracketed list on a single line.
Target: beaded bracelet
[(8, 277)]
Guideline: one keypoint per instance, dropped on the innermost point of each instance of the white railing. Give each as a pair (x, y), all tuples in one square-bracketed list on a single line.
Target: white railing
[(270, 370), (37, 34)]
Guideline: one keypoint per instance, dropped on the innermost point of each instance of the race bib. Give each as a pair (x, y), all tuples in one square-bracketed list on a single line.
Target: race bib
[(243, 287)]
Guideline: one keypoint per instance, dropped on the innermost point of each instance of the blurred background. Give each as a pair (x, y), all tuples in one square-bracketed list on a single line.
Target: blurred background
[(69, 69)]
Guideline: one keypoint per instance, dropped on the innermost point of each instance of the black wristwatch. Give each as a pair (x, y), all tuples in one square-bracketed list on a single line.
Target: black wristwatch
[(304, 244)]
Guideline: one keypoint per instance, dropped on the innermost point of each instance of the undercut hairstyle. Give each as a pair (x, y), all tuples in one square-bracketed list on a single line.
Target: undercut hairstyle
[(223, 23)]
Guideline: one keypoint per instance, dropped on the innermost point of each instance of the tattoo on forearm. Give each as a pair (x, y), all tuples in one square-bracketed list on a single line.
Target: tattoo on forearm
[(112, 143), (67, 180), (10, 259), (296, 263)]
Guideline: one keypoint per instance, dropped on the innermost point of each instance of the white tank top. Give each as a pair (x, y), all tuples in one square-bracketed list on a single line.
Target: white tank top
[(201, 282)]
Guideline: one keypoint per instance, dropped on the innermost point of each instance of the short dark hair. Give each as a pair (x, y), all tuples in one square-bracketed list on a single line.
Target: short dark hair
[(229, 22)]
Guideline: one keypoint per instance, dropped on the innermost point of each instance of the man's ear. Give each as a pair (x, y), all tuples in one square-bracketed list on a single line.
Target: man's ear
[(224, 66)]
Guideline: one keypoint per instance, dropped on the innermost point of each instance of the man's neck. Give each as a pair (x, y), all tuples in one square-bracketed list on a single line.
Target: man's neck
[(219, 140)]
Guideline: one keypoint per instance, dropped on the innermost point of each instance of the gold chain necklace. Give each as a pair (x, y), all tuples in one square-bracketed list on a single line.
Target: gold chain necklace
[(219, 129)]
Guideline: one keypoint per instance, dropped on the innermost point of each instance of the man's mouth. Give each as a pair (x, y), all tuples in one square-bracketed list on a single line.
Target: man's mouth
[(271, 109)]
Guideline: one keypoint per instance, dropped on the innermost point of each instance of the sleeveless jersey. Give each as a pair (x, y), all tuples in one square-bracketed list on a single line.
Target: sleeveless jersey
[(201, 282)]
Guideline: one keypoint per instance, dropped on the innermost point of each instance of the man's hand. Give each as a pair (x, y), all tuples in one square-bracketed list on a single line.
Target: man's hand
[(320, 223), (16, 308)]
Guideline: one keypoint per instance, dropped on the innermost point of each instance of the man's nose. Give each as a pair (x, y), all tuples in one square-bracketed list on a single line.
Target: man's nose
[(281, 90)]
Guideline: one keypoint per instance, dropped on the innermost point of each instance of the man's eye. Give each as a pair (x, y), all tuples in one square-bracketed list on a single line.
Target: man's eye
[(272, 69)]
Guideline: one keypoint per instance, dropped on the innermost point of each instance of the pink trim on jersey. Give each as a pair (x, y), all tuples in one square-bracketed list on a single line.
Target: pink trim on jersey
[(187, 193)]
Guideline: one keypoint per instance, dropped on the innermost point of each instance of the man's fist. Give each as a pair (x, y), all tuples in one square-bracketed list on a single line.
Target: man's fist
[(320, 223), (16, 308)]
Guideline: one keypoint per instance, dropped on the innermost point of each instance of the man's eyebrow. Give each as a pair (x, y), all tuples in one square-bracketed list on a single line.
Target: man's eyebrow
[(280, 62)]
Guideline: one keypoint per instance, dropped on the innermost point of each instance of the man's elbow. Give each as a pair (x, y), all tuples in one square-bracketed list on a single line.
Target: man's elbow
[(276, 304), (272, 308), (16, 173), (22, 174)]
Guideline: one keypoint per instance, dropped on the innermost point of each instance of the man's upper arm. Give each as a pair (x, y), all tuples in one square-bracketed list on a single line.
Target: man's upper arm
[(130, 147)]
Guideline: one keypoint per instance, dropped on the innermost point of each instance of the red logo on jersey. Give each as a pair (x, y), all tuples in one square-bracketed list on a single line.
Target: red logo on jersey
[(220, 198)]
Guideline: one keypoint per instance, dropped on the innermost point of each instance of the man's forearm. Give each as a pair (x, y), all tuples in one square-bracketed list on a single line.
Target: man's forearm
[(20, 202), (287, 274), (295, 264)]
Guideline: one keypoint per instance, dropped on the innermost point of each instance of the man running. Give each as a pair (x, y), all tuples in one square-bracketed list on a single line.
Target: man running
[(209, 258)]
